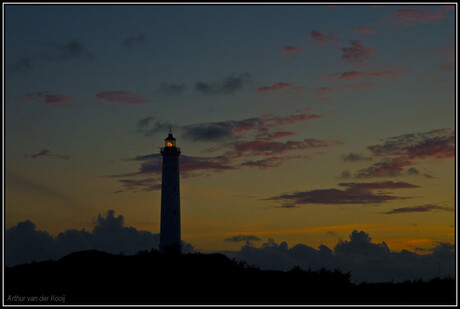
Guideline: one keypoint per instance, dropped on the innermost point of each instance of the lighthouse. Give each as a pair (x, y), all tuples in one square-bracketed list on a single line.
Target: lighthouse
[(170, 239)]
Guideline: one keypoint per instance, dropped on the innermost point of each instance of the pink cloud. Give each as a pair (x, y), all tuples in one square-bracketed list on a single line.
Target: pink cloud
[(418, 15), (360, 74), (292, 49), (323, 39), (274, 87), (364, 30), (357, 52), (121, 97), (405, 150), (323, 91), (412, 16), (268, 148), (50, 99)]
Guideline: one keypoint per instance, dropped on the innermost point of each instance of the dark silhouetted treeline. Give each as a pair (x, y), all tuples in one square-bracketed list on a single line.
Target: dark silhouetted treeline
[(95, 277)]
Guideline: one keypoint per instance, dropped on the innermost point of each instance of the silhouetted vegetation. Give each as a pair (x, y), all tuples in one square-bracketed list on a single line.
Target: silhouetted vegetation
[(95, 277)]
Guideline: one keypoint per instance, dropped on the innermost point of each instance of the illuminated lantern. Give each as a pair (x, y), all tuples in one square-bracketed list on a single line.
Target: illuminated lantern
[(170, 141)]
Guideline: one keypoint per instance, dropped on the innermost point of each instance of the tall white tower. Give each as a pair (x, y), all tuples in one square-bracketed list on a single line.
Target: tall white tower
[(170, 240)]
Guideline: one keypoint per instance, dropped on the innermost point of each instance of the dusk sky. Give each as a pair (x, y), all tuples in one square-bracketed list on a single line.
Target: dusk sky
[(299, 123)]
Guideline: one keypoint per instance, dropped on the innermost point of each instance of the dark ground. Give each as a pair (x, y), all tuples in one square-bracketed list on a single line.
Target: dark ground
[(98, 278)]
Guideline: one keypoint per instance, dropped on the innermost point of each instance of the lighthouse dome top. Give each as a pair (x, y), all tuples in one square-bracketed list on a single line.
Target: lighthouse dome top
[(170, 141)]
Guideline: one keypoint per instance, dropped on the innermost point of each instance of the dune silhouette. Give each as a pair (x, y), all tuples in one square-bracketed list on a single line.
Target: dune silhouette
[(95, 277)]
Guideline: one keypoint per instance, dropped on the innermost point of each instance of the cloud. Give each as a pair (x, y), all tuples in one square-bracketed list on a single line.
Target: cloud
[(122, 97), (365, 260), (24, 243), (405, 150), (229, 85), (392, 168), (68, 51), (420, 208), (152, 165), (43, 152), (209, 131), (148, 126), (353, 157), (412, 16), (171, 89), (436, 144), (257, 136), (360, 74), (292, 49), (324, 39), (133, 41), (364, 30), (50, 99), (274, 87), (412, 171), (270, 162), (357, 52), (355, 193), (322, 91), (240, 238), (269, 148), (214, 131), (48, 153)]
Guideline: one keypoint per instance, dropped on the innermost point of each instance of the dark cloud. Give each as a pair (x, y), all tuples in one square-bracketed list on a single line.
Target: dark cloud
[(209, 131), (240, 238), (357, 52), (270, 148), (47, 153), (24, 244), (145, 121), (435, 144), (355, 193), (148, 126), (71, 50), (133, 41), (49, 99), (383, 185), (353, 157), (270, 162), (367, 261), (232, 128), (274, 87), (171, 89), (324, 39), (229, 85), (152, 165), (412, 171), (420, 208), (392, 168), (22, 65), (402, 151), (360, 74), (121, 97)]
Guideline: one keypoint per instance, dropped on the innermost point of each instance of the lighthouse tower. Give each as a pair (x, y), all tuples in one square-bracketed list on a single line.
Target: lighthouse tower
[(170, 240)]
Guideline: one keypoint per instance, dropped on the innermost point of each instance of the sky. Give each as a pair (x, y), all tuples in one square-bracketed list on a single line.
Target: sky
[(297, 124)]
